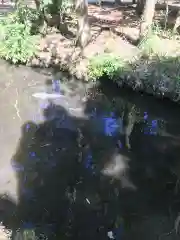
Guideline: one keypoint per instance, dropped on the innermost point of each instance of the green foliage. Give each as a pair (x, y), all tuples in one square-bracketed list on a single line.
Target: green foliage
[(61, 7), (46, 2), (157, 29), (27, 16), (105, 64), (17, 42), (66, 6), (150, 45), (45, 5), (17, 45)]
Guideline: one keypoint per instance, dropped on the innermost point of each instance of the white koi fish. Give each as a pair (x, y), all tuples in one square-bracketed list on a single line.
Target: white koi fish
[(44, 95)]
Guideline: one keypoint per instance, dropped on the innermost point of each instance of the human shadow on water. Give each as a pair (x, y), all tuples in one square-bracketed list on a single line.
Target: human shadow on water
[(62, 191), (78, 180)]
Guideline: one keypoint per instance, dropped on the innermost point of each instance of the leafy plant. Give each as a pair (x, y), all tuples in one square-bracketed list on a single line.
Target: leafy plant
[(60, 7), (106, 64), (27, 16), (16, 42), (66, 6), (162, 32), (151, 45)]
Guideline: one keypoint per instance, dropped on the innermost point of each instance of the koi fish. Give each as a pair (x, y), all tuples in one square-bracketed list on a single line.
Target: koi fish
[(44, 95)]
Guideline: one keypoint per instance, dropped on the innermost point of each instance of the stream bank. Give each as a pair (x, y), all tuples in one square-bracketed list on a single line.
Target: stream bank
[(156, 75), (151, 67)]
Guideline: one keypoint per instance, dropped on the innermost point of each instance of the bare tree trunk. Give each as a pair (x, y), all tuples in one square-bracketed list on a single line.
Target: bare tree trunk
[(42, 18), (177, 22), (37, 3), (118, 2), (140, 7), (83, 29), (147, 18), (166, 15)]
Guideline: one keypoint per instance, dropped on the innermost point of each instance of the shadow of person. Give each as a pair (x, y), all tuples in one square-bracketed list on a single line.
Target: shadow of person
[(61, 191), (70, 171), (8, 212), (44, 164)]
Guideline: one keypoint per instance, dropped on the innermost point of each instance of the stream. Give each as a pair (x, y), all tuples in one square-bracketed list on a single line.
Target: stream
[(86, 161)]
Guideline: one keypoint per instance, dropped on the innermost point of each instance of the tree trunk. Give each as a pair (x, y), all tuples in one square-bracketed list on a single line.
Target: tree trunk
[(83, 28), (147, 18), (177, 22), (140, 7), (42, 17), (38, 4), (118, 2)]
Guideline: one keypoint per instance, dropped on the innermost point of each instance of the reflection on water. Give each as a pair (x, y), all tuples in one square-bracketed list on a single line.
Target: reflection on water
[(151, 128), (81, 175), (111, 126)]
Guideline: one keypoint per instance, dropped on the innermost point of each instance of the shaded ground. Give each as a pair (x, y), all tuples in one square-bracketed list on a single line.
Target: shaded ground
[(53, 156)]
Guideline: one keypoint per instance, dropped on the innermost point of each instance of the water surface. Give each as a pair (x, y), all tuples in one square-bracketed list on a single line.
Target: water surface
[(80, 162)]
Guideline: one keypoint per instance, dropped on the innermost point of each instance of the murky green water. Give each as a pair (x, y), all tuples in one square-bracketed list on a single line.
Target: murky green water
[(79, 161)]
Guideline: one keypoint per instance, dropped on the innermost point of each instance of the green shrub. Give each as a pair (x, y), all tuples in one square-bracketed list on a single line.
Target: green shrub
[(106, 64), (17, 45), (152, 44), (60, 7), (25, 15), (66, 7)]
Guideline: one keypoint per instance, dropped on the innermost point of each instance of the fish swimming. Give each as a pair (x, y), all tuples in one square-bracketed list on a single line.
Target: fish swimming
[(44, 95)]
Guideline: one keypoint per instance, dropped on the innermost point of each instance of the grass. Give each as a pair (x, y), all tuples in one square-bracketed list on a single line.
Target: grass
[(151, 46)]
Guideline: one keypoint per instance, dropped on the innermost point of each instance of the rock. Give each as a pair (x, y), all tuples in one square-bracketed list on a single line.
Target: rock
[(35, 62), (45, 58), (4, 233), (52, 46), (43, 45), (56, 61)]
